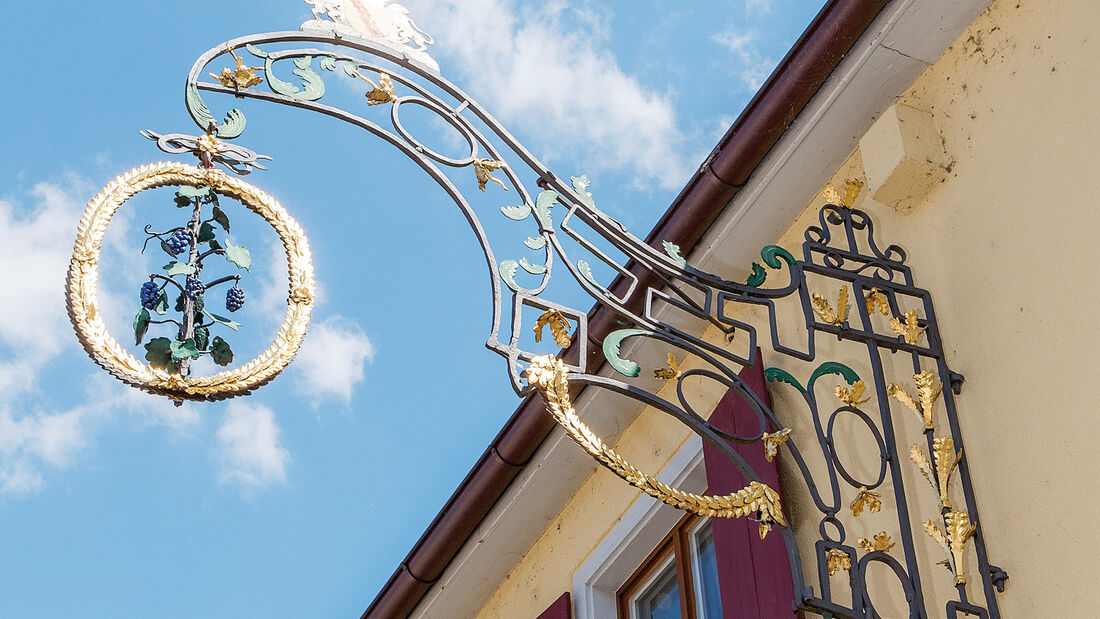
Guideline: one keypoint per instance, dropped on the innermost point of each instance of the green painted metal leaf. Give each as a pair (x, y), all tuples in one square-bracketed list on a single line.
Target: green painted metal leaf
[(158, 352), (778, 375), (580, 184), (328, 63), (238, 255), (221, 352), (508, 274), (192, 192), (162, 304), (222, 320), (611, 351), (772, 253), (214, 244), (350, 67), (255, 51), (232, 125), (517, 213), (197, 108), (533, 269), (673, 251), (184, 350), (221, 218), (178, 268), (543, 203), (202, 337), (206, 233), (167, 250), (141, 325), (535, 242), (833, 367), (759, 276), (586, 272), (313, 86)]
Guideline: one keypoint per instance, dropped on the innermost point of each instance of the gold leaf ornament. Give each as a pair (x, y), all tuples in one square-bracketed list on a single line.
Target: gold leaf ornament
[(482, 169), (944, 461), (773, 441), (852, 397), (241, 77), (953, 541), (559, 327), (831, 195), (866, 499), (909, 329), (836, 559), (852, 187), (877, 300), (550, 377), (381, 93), (929, 388), (880, 543), (825, 311), (670, 372)]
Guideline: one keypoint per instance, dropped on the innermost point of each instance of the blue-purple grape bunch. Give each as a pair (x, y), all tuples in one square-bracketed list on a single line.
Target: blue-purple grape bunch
[(179, 241), (194, 287), (234, 299), (149, 293)]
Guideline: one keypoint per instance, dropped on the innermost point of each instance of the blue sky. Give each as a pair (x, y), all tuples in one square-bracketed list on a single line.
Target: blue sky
[(301, 499)]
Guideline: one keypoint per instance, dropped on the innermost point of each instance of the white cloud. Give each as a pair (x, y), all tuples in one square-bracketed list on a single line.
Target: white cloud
[(249, 449), (550, 71), (754, 65), (332, 358), (758, 7)]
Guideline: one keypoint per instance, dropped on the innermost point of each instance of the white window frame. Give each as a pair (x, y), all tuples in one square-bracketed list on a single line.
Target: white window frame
[(632, 540)]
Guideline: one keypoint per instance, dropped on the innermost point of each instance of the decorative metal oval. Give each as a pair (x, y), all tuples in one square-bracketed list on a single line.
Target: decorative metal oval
[(451, 118), (899, 571), (878, 441), (840, 533)]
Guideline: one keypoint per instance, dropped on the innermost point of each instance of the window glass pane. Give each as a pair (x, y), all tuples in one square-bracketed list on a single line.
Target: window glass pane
[(660, 599), (705, 572)]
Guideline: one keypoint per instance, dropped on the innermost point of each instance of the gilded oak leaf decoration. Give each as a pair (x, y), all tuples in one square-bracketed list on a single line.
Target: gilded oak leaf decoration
[(852, 396), (852, 187), (929, 389), (909, 329), (866, 499), (825, 311), (241, 77), (672, 371), (831, 195), (959, 532), (945, 460), (881, 543), (837, 559), (877, 300), (558, 324), (483, 167), (773, 441), (380, 93)]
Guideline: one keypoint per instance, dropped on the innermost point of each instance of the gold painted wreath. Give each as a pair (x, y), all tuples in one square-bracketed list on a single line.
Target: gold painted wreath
[(109, 354), (549, 376)]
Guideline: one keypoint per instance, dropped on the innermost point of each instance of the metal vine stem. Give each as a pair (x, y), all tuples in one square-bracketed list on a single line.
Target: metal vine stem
[(840, 251)]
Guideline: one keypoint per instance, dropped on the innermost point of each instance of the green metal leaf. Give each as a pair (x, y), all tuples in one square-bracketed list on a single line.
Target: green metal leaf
[(238, 255), (586, 272), (232, 126), (221, 352), (158, 352), (533, 269), (328, 63), (772, 253), (508, 274), (197, 108), (141, 325), (518, 213), (162, 304), (221, 218), (580, 184), (167, 250), (206, 233), (535, 242), (543, 203), (202, 337), (833, 367), (255, 51), (673, 251), (222, 320), (778, 375), (184, 350), (214, 244), (611, 352), (313, 86), (759, 275), (178, 268), (350, 67)]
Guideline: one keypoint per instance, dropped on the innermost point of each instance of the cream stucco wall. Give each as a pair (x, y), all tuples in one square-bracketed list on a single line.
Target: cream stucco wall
[(1006, 245)]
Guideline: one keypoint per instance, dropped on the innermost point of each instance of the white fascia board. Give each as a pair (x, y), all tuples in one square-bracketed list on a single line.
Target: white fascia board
[(904, 39)]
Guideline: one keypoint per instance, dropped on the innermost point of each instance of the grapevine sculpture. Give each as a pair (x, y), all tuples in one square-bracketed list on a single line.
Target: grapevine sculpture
[(878, 311)]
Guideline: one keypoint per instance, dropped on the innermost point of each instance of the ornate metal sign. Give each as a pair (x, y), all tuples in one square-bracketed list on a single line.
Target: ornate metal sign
[(846, 287)]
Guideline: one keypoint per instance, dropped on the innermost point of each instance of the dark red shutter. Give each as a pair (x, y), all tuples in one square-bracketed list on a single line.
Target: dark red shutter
[(754, 575), (561, 609)]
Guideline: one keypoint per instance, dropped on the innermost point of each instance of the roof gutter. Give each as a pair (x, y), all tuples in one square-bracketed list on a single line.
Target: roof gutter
[(778, 102)]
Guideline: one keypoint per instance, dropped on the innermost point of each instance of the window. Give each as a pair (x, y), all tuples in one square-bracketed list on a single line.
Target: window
[(679, 580)]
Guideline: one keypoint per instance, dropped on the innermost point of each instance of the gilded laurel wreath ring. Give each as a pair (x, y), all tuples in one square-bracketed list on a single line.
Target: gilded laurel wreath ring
[(113, 357)]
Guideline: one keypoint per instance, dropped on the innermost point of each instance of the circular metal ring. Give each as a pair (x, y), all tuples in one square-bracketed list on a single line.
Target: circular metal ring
[(878, 440), (109, 354), (840, 534), (446, 115)]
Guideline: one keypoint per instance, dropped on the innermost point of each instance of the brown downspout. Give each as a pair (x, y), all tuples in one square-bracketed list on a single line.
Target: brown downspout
[(778, 102)]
